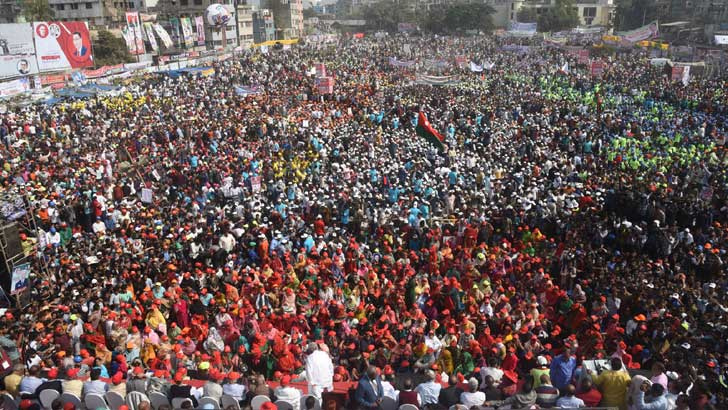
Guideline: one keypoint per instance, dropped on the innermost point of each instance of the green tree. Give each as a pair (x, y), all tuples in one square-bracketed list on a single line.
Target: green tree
[(562, 16), (527, 15), (469, 16), (37, 10), (110, 50), (385, 15)]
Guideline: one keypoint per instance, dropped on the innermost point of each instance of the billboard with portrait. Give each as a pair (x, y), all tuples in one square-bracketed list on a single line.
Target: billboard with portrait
[(17, 65), (61, 45)]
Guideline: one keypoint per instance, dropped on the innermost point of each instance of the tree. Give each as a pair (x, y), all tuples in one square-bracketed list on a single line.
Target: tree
[(110, 50), (527, 15), (385, 15), (562, 16), (458, 17), (37, 10)]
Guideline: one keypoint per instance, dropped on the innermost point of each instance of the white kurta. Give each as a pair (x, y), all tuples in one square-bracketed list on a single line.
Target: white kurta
[(320, 373)]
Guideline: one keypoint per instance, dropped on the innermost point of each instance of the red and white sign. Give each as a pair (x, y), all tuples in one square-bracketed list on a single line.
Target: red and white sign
[(320, 69), (325, 85), (61, 45), (134, 30), (583, 56), (597, 68)]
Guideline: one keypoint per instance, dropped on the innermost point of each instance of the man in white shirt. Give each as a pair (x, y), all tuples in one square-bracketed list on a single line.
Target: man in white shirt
[(387, 387), (491, 370), (473, 397), (234, 389), (285, 392), (319, 371), (430, 390)]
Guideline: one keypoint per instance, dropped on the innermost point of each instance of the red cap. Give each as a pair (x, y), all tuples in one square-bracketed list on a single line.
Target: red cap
[(285, 380), (72, 373), (117, 378), (268, 406)]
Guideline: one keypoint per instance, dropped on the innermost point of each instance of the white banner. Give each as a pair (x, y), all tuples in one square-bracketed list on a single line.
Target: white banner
[(476, 68), (17, 65), (15, 87), (163, 35), (16, 39), (641, 33)]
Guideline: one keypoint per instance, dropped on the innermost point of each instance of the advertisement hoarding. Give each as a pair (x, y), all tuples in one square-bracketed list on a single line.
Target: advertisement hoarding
[(16, 39), (61, 45), (17, 65)]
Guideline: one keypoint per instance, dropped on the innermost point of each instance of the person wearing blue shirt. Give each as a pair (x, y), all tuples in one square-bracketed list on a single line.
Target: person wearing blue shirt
[(562, 369), (452, 177), (394, 194), (193, 161), (308, 243)]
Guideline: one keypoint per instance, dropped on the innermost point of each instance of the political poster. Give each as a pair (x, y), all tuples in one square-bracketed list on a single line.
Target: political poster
[(583, 56), (187, 34), (134, 27), (176, 31), (16, 39), (255, 184), (20, 279), (17, 65), (320, 69), (61, 45), (597, 68), (163, 35), (149, 32), (325, 85), (200, 26)]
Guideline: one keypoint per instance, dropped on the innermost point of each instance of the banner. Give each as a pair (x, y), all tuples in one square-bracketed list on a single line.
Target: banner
[(646, 32), (149, 32), (522, 29), (17, 65), (20, 279), (681, 73), (145, 18), (61, 45), (244, 91), (396, 63), (320, 69), (597, 68), (325, 85), (476, 68), (16, 39), (163, 36), (176, 31), (436, 80), (15, 87), (135, 29), (583, 56), (187, 35), (104, 71), (200, 26)]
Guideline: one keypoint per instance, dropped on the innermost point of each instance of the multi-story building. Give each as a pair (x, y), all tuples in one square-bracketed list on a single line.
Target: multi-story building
[(245, 25), (287, 17), (98, 13), (263, 26), (591, 12)]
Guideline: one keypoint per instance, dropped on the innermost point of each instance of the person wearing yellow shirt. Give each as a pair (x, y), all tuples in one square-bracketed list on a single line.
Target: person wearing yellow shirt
[(12, 381), (155, 318), (613, 384)]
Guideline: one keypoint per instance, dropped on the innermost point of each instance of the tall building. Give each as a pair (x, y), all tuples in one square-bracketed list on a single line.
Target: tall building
[(245, 24), (263, 26), (98, 13), (287, 17)]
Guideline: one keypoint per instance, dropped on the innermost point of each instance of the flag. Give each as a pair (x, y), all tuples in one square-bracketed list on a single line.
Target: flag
[(475, 67), (425, 130), (565, 68)]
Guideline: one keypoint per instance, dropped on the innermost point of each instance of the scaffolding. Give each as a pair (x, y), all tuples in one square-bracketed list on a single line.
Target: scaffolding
[(17, 214)]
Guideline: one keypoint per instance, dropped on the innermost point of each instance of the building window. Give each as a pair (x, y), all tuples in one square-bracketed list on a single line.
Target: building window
[(198, 2), (89, 6), (60, 6), (74, 6), (590, 12), (184, 2)]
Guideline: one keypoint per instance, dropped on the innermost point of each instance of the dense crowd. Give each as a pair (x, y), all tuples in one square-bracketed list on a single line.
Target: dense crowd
[(189, 233)]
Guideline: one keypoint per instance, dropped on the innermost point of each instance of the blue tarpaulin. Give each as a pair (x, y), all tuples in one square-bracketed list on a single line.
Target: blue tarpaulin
[(188, 70)]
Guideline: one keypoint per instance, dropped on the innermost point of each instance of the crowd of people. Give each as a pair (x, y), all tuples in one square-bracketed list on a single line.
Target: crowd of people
[(571, 233)]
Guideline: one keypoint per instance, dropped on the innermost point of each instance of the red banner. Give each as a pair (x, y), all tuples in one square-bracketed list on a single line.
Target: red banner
[(597, 68), (104, 71)]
